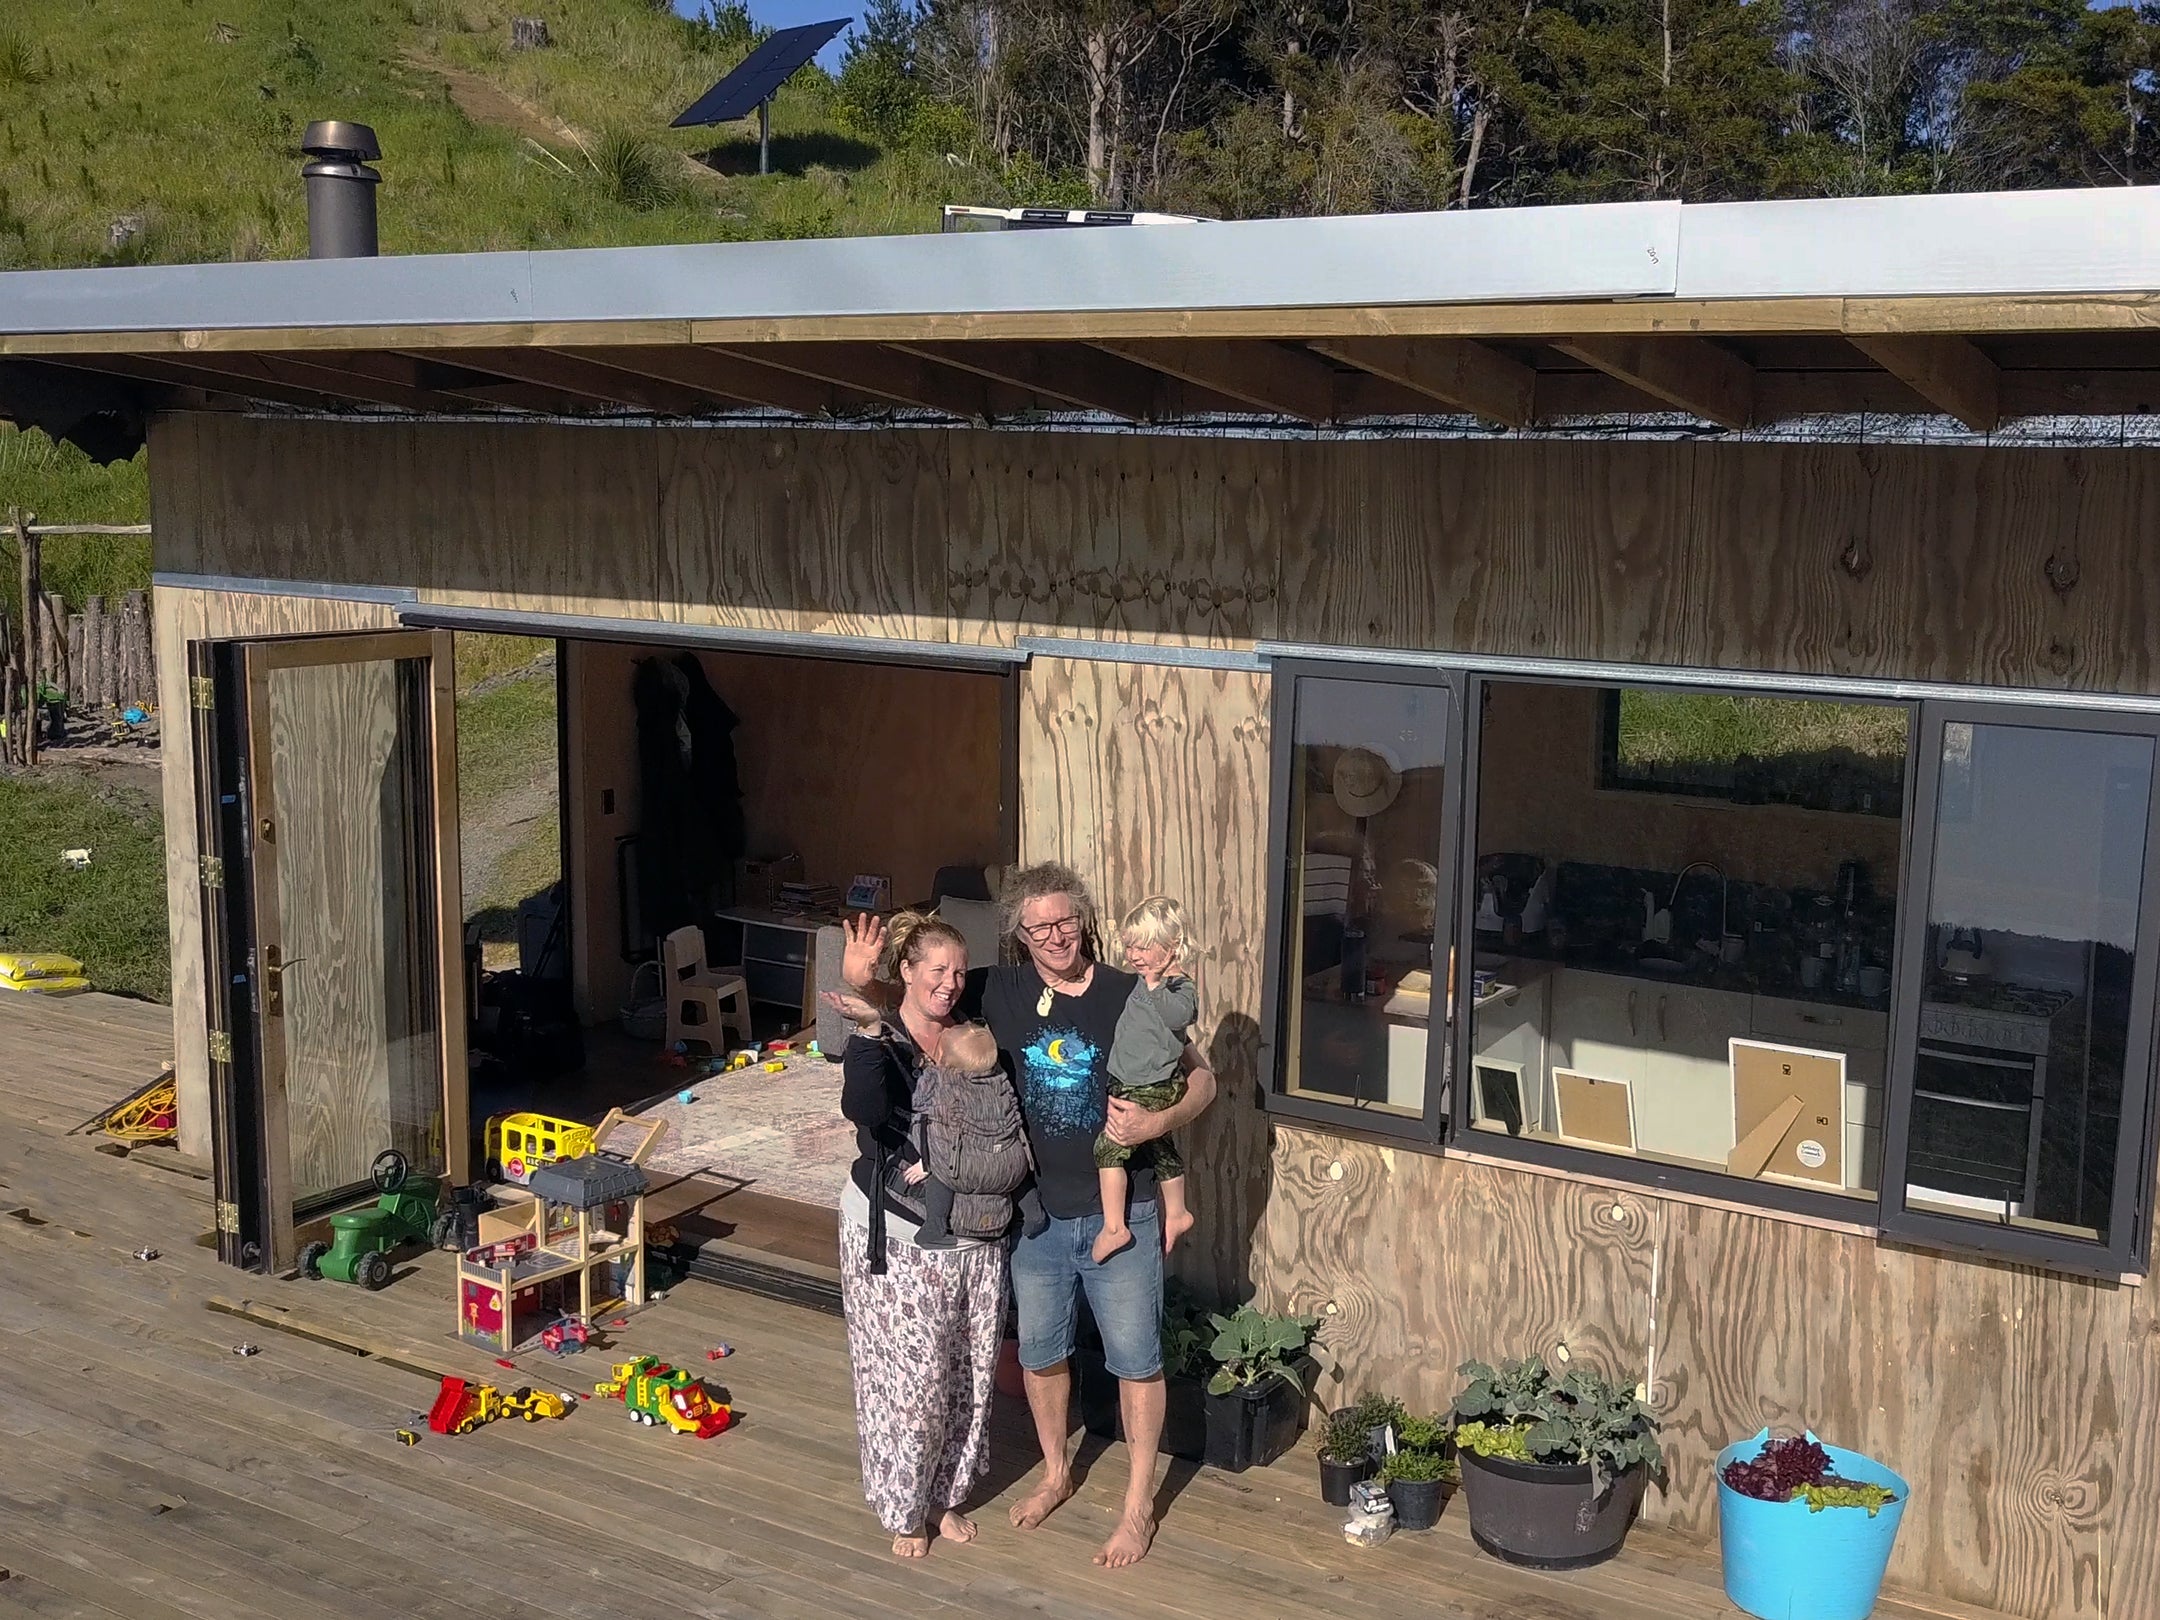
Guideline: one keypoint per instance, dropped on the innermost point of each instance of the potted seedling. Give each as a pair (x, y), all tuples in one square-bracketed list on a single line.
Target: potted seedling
[(1381, 1416), (1554, 1469), (1256, 1397), (1805, 1529), (1418, 1473), (1345, 1456)]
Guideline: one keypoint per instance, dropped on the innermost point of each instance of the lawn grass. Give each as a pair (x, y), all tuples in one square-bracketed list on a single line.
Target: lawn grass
[(59, 484), (111, 915), (1716, 728), (509, 814)]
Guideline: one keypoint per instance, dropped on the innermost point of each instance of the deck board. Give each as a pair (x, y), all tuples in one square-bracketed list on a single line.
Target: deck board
[(154, 1473)]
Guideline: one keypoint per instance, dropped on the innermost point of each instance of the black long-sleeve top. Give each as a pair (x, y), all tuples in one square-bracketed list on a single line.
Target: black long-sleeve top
[(877, 1094)]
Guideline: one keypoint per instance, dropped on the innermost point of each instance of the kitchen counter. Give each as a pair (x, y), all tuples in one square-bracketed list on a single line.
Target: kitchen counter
[(1701, 973)]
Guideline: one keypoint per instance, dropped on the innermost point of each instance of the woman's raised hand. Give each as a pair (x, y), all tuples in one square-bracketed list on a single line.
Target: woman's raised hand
[(852, 1007), (865, 943)]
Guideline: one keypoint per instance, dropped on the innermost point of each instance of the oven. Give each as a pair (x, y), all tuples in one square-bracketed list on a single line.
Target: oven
[(1975, 1131)]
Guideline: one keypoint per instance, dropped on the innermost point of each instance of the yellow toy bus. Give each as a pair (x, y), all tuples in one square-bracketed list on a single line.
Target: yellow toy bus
[(519, 1144)]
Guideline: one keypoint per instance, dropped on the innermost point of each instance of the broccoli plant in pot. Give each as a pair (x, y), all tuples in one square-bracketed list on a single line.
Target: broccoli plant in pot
[(1256, 1396), (1419, 1474), (1554, 1468)]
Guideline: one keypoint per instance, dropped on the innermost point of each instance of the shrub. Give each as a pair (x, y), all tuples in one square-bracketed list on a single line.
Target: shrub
[(1415, 1467), (1347, 1439), (632, 171)]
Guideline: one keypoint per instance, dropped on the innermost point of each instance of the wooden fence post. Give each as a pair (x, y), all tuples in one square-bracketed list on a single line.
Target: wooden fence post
[(61, 670), (92, 669), (10, 732), (26, 551)]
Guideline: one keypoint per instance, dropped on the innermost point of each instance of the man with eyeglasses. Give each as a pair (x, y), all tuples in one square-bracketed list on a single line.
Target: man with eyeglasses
[(1055, 1014)]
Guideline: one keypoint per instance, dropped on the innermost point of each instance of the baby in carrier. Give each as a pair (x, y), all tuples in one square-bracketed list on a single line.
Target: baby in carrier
[(972, 1145)]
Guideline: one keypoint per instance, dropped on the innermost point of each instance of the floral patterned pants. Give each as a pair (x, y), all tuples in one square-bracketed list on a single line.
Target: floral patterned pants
[(923, 1339)]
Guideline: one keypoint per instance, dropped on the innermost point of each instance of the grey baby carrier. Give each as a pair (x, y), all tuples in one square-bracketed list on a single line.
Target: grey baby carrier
[(968, 1131)]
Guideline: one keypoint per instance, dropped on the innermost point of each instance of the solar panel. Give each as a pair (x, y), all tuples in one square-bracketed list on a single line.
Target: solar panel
[(762, 72)]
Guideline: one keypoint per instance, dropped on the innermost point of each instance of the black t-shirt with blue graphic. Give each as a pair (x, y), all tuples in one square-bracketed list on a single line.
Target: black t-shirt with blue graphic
[(1060, 1064)]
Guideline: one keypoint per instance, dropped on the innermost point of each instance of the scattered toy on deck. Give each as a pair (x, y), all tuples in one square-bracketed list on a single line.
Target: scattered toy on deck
[(655, 1394), (566, 1336), (362, 1240), (686, 1097), (774, 1068), (247, 1349), (75, 859), (519, 1144), (720, 1352), (407, 1438), (461, 1407), (146, 1254)]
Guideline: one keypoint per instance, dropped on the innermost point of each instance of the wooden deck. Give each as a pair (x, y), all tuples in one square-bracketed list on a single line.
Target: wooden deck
[(149, 1471)]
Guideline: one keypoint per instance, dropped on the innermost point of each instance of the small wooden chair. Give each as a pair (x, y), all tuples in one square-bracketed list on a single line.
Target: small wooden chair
[(701, 1002)]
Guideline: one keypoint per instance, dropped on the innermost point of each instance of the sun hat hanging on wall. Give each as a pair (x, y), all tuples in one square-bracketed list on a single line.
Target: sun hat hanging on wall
[(1366, 781)]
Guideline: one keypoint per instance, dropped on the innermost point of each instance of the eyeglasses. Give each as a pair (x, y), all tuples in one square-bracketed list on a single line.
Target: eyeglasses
[(1059, 928)]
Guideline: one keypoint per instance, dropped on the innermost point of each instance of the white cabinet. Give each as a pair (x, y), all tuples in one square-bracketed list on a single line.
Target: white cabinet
[(1597, 1025), (1509, 1037), (1684, 1106)]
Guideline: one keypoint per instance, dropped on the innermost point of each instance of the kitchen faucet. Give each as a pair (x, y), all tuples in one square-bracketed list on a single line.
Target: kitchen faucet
[(1724, 890)]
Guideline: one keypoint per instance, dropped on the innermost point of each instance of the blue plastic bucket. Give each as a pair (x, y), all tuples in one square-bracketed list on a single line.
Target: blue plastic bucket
[(1784, 1563)]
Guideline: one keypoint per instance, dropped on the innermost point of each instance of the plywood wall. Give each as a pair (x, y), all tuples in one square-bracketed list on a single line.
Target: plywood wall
[(2020, 1403), (856, 767)]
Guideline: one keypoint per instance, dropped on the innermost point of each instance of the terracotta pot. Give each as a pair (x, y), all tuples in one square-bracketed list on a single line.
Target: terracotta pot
[(1010, 1382)]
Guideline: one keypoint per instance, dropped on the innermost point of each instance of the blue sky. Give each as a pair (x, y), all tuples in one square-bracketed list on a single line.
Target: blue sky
[(787, 13)]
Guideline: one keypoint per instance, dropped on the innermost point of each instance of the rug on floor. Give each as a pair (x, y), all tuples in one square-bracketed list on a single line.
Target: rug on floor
[(780, 1134)]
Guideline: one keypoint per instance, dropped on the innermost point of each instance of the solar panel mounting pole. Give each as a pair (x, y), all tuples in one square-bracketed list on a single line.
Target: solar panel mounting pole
[(764, 136)]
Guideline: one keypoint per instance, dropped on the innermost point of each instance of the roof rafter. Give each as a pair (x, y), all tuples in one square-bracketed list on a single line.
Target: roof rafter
[(722, 375), (1950, 373), (1087, 378), (571, 374), (1459, 373), (896, 375), (1266, 376), (1689, 372)]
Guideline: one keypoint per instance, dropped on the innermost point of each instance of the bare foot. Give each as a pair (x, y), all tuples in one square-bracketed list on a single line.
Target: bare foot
[(956, 1526), (1040, 1503), (1129, 1542), (1175, 1225), (1113, 1239), (911, 1546)]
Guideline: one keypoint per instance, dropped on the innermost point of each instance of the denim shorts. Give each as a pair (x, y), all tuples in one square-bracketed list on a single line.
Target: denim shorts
[(1124, 1293)]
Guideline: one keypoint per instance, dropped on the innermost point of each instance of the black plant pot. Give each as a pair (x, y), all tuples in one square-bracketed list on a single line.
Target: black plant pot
[(1544, 1515), (1184, 1408), (1417, 1502), (1251, 1427), (1336, 1478)]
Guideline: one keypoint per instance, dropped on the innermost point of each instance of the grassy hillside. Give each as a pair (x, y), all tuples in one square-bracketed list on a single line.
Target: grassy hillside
[(137, 131)]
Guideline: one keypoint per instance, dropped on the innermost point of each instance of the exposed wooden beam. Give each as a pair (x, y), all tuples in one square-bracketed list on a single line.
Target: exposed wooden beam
[(330, 374), (571, 374), (894, 375), (1459, 373), (1266, 376), (1948, 372), (724, 376), (238, 384), (1689, 372), (1070, 373)]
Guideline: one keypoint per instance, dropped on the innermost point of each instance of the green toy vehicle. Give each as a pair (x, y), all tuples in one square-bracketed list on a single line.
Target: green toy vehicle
[(364, 1239)]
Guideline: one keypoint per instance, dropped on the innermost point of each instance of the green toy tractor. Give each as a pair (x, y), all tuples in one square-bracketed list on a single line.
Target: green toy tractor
[(364, 1239)]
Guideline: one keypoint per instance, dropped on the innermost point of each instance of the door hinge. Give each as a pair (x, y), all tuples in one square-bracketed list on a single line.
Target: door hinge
[(213, 872), (228, 1217), (202, 691), (220, 1046)]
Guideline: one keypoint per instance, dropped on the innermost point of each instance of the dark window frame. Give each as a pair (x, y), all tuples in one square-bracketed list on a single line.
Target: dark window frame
[(1618, 1168), (2127, 1248), (1429, 1128)]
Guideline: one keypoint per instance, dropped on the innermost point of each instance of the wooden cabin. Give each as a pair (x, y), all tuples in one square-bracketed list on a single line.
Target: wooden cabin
[(1652, 708)]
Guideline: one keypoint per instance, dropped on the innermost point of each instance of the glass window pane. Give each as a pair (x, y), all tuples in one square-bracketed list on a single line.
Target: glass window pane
[(1703, 984), (2024, 1018), (1368, 781)]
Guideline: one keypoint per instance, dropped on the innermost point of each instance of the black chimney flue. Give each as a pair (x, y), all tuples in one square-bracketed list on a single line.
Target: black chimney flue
[(340, 189)]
